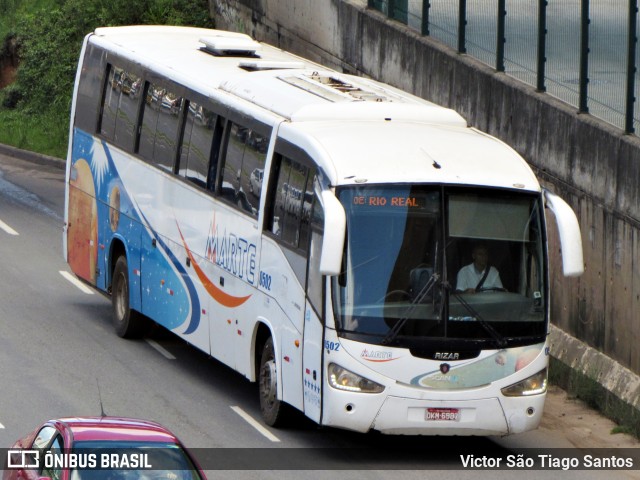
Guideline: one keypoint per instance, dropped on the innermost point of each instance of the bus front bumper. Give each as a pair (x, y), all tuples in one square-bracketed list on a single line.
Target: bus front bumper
[(419, 416)]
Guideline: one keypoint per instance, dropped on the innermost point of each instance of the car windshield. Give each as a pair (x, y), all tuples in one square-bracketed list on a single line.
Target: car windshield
[(168, 461), (426, 264)]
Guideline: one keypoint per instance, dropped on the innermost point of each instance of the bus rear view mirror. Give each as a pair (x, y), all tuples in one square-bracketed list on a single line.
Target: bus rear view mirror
[(570, 237), (335, 226)]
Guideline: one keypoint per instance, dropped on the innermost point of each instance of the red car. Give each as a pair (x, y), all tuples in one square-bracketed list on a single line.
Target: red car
[(101, 448)]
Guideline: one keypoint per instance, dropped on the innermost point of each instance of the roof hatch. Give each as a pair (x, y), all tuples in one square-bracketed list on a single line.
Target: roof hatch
[(335, 89)]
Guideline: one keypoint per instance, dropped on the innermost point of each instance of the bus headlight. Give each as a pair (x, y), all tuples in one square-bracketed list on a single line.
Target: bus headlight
[(534, 385), (342, 379)]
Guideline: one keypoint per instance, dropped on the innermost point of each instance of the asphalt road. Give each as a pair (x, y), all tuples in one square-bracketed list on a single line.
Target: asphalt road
[(60, 357)]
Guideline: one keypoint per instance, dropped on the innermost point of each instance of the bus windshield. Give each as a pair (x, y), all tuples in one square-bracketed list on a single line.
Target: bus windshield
[(451, 266)]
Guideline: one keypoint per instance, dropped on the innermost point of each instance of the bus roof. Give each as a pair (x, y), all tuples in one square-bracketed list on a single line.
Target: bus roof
[(363, 125), (414, 152)]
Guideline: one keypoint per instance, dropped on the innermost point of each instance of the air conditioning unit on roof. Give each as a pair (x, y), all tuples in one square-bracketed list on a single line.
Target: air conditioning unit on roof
[(231, 46)]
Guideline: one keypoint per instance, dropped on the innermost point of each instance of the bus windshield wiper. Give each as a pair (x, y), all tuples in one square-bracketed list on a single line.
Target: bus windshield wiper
[(395, 330), (500, 340)]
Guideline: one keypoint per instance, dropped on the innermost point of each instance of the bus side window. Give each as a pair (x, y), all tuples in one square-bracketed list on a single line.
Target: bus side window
[(126, 117), (292, 203), (91, 81), (231, 174), (218, 140), (306, 213), (277, 212), (197, 139), (119, 109), (314, 277), (245, 153), (110, 104), (160, 126)]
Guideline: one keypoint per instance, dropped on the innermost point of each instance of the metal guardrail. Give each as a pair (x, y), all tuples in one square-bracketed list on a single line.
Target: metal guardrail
[(580, 51)]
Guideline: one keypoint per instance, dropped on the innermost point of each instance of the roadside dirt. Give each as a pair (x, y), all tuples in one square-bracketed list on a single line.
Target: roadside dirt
[(7, 75), (9, 61), (580, 424)]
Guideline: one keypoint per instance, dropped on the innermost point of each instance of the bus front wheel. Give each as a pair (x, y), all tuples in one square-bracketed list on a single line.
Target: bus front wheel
[(127, 322), (273, 410)]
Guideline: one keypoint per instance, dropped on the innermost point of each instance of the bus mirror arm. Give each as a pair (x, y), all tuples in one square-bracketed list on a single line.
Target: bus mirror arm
[(335, 226), (569, 232)]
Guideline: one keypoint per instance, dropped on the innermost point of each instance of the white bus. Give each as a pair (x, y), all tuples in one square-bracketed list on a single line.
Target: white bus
[(306, 228)]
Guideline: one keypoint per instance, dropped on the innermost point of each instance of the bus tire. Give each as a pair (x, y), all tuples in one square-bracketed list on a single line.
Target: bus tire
[(127, 323), (273, 410)]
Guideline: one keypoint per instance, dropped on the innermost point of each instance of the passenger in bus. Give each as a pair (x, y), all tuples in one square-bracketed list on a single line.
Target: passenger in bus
[(478, 275)]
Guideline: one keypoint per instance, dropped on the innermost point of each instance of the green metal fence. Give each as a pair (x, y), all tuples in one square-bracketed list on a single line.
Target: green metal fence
[(580, 51)]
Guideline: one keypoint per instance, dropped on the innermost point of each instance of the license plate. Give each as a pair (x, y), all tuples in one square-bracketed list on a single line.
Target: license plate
[(446, 414)]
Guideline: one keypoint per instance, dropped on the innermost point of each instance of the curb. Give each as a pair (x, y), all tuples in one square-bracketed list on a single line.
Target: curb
[(34, 157)]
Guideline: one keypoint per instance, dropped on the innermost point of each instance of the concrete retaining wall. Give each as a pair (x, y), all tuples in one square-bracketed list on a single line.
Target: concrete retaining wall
[(591, 164)]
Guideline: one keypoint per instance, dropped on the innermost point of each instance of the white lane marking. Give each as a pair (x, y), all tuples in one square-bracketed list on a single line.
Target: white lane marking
[(255, 424), (7, 228), (81, 286), (163, 351), (1, 426)]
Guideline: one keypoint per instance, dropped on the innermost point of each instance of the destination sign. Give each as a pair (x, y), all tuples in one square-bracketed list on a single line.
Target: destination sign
[(400, 201)]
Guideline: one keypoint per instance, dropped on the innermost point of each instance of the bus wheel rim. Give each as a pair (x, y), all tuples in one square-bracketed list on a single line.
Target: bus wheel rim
[(269, 381), (120, 292)]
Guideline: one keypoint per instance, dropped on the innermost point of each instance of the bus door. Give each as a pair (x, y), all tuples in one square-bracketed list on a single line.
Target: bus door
[(313, 320), (286, 262)]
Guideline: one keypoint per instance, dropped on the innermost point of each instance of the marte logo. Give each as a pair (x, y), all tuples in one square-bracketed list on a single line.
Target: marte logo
[(377, 355), (446, 356)]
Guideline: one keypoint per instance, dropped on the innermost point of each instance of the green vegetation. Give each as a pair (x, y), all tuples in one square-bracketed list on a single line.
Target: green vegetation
[(34, 110), (625, 429), (46, 132)]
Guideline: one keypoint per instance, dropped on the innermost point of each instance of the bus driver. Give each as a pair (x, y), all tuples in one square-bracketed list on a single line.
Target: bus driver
[(479, 275)]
